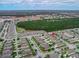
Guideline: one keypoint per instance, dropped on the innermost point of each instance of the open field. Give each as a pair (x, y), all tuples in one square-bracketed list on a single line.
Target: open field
[(19, 29)]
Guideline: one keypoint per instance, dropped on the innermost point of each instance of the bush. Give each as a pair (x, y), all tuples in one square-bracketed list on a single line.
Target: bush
[(14, 54)]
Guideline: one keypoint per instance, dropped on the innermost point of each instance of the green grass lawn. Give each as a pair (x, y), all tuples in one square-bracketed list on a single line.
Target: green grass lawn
[(50, 25), (19, 29)]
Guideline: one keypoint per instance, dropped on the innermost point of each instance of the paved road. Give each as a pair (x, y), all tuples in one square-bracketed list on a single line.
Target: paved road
[(15, 36), (4, 31), (11, 31)]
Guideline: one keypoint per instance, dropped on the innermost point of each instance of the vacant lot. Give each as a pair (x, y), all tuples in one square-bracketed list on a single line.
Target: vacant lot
[(50, 25)]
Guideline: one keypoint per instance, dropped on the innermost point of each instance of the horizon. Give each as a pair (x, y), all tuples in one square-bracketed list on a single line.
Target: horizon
[(39, 5)]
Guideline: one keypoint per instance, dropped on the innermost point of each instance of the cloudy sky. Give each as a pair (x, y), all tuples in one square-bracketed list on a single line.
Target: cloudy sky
[(39, 4)]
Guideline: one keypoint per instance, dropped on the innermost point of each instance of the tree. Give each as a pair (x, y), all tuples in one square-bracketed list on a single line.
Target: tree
[(47, 56), (1, 39), (49, 50), (18, 38)]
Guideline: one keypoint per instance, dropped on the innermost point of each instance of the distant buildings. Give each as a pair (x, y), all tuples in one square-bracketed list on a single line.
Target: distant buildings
[(39, 17)]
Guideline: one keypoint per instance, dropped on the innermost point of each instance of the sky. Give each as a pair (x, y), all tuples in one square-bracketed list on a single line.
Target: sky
[(39, 4)]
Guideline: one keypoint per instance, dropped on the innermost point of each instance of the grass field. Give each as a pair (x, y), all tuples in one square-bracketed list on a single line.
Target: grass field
[(50, 25), (19, 29)]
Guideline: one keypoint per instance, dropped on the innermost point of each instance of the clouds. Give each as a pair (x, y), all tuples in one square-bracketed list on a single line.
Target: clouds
[(37, 1), (39, 4), (10, 1)]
